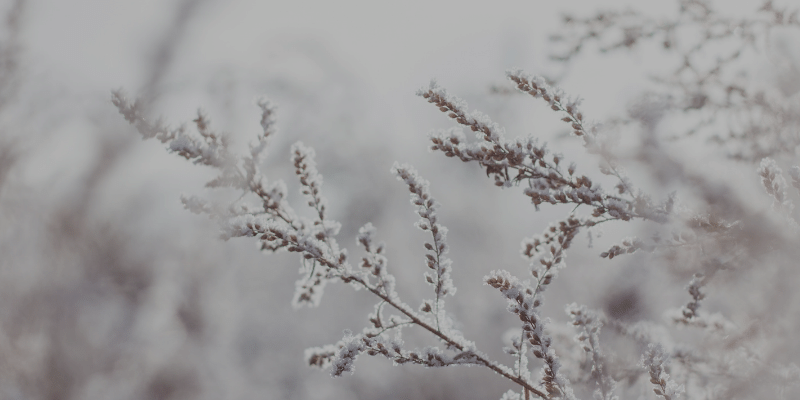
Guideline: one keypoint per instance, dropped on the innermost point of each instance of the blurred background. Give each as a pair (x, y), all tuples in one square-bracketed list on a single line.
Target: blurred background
[(110, 290)]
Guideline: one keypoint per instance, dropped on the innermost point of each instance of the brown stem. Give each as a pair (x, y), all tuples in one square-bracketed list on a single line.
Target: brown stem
[(451, 342)]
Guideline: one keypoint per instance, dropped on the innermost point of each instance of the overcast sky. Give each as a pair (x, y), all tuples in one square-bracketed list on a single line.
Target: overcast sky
[(379, 52)]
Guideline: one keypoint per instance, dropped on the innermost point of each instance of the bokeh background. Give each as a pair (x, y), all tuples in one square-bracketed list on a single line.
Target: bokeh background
[(110, 290)]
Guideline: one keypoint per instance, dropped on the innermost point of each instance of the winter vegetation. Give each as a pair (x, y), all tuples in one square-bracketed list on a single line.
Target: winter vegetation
[(644, 254), (702, 229)]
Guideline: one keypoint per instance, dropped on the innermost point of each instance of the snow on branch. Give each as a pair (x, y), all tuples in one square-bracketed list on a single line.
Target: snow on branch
[(524, 302), (435, 259), (655, 361)]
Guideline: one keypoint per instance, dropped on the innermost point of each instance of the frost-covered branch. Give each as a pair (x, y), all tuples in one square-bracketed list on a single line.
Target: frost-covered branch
[(718, 234), (435, 259), (708, 50), (277, 227), (524, 302), (589, 324), (655, 361), (533, 163)]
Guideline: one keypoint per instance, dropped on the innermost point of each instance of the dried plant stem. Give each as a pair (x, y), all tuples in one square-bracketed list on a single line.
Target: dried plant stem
[(483, 360)]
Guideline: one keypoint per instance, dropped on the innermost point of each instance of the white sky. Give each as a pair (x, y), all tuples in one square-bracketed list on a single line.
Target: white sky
[(388, 44), (81, 49), (393, 46)]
